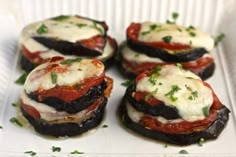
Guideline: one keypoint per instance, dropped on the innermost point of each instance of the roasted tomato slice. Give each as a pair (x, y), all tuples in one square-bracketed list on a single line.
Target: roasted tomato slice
[(70, 93), (147, 98), (133, 33), (182, 127), (33, 57), (96, 43), (31, 111)]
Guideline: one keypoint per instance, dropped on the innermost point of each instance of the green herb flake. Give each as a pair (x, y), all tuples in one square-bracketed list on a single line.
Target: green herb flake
[(206, 111), (159, 83), (81, 25), (169, 22), (60, 18), (167, 39), (77, 86), (150, 94), (42, 29), (174, 89), (219, 38), (104, 126), (56, 149), (183, 152), (145, 32), (190, 42), (14, 104), (76, 152), (194, 94), (69, 61), (179, 29), (1, 127), (31, 153), (175, 15), (54, 77), (21, 80), (97, 28), (166, 145), (153, 26), (189, 77), (152, 79), (16, 121), (201, 141), (179, 65), (136, 55), (190, 97), (157, 69), (192, 34), (190, 28), (127, 83)]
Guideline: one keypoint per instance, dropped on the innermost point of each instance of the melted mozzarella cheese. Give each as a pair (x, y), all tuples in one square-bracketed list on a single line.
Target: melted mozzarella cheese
[(73, 73), (179, 34), (50, 114), (191, 97)]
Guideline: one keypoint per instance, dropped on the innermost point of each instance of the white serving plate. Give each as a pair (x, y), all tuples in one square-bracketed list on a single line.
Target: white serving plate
[(115, 141)]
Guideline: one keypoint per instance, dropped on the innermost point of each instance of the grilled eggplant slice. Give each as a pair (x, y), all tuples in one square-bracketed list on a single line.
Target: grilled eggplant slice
[(192, 110), (165, 47), (68, 128)]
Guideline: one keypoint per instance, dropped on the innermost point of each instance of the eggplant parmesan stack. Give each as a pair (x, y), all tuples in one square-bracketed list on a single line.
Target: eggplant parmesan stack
[(66, 97), (173, 105), (66, 36), (150, 44)]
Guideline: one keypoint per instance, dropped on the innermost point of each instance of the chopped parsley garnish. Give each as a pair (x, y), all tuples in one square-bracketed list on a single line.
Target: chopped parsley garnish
[(160, 83), (166, 145), (69, 61), (16, 121), (192, 34), (171, 93), (150, 94), (152, 79), (219, 38), (21, 79), (60, 18), (183, 152), (54, 77), (96, 27), (179, 65), (151, 28), (104, 126), (1, 127), (31, 153), (194, 94), (190, 28), (206, 111), (175, 15), (179, 29), (56, 149), (136, 55), (76, 152), (14, 104), (77, 86), (190, 42), (157, 69), (127, 83), (189, 77), (80, 25), (42, 29), (201, 141), (145, 33), (167, 39)]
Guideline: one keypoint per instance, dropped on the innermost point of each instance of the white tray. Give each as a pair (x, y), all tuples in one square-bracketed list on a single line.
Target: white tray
[(115, 141)]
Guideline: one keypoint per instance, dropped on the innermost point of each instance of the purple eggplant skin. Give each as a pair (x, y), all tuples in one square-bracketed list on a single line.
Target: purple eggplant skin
[(69, 48), (212, 132), (66, 129), (26, 65), (159, 110), (76, 105), (151, 51)]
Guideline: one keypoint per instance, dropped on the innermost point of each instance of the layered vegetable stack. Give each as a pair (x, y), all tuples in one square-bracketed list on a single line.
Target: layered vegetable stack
[(173, 105), (66, 97), (67, 36), (150, 44)]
